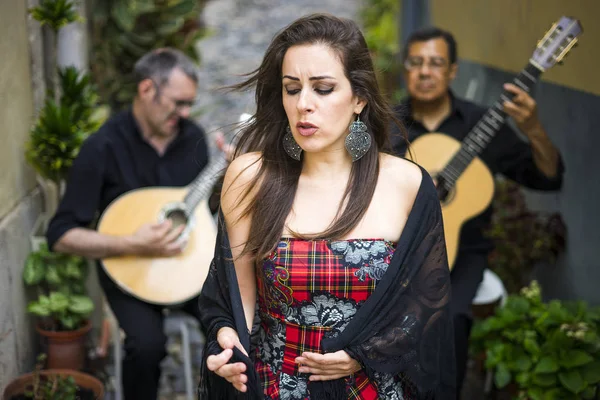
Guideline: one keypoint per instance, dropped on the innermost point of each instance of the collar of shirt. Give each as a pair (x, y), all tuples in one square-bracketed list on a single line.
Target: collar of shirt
[(457, 108), (130, 125)]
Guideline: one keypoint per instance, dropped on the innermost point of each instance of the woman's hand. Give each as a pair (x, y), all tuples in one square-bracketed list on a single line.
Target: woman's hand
[(325, 367), (233, 373)]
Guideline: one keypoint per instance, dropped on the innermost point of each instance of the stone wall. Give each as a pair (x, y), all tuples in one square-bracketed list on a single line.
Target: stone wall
[(21, 94)]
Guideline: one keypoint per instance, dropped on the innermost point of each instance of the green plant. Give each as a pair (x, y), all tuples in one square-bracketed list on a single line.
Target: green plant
[(549, 350), (63, 125), (522, 238), (55, 14), (125, 30), (50, 387), (380, 20), (59, 279)]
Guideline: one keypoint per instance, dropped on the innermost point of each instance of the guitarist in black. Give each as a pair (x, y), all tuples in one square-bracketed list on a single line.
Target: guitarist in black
[(430, 65), (153, 143)]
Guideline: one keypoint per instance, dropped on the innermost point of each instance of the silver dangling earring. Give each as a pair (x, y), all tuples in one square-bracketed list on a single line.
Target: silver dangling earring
[(358, 141), (290, 145)]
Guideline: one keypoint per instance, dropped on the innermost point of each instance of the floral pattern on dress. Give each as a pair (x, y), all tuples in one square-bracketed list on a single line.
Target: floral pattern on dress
[(323, 310), (371, 258)]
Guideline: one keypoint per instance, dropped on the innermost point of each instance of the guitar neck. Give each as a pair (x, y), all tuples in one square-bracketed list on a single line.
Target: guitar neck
[(487, 127), (201, 186)]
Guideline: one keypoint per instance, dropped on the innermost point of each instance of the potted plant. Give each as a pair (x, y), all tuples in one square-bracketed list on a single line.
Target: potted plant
[(59, 384), (522, 238), (62, 305), (70, 113), (542, 350)]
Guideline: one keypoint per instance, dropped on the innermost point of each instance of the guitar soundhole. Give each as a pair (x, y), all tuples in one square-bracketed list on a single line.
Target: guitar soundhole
[(178, 217)]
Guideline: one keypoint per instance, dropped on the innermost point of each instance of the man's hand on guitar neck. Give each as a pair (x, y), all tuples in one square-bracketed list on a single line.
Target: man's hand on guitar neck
[(523, 108), (227, 149)]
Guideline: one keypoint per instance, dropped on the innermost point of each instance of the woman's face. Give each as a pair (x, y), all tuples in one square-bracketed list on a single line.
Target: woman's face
[(317, 98)]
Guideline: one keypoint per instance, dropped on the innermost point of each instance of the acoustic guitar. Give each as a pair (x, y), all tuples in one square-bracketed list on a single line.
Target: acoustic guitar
[(465, 184), (173, 280)]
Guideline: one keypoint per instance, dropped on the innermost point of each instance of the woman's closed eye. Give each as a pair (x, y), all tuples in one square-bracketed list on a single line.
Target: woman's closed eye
[(320, 90)]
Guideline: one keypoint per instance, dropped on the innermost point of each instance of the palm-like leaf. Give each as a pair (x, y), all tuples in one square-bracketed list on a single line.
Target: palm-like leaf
[(55, 13)]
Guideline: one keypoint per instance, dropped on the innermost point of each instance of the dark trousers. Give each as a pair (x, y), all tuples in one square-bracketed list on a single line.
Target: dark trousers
[(145, 339), (465, 277)]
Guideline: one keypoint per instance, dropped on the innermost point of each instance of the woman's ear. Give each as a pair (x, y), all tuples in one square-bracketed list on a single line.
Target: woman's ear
[(359, 105)]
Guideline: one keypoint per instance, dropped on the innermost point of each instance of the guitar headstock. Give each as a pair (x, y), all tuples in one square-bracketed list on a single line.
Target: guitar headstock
[(557, 42)]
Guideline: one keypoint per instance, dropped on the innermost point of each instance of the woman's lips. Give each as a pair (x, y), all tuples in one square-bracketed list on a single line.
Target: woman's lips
[(306, 129)]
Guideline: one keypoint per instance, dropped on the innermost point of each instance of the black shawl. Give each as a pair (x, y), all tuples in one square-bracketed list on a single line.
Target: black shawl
[(404, 327)]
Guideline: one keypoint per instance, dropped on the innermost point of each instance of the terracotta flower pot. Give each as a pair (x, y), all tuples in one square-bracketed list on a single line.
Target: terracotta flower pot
[(66, 349), (82, 380)]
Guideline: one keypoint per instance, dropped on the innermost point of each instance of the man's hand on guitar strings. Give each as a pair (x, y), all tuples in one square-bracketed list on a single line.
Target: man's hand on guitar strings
[(158, 239)]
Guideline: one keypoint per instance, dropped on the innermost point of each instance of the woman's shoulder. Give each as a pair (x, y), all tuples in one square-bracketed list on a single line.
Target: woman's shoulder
[(400, 173), (244, 167), (238, 183)]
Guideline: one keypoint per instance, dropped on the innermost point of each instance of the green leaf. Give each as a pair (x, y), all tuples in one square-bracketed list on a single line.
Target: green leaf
[(535, 393), (572, 380), (52, 275), (575, 358), (544, 380), (555, 394), (59, 302), (38, 308), (72, 269), (502, 376), (589, 392), (81, 305), (531, 346), (591, 372), (70, 321), (182, 8), (123, 16), (521, 363), (34, 270), (546, 365)]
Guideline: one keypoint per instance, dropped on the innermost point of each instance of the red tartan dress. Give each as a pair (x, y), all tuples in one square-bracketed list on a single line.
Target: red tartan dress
[(308, 289)]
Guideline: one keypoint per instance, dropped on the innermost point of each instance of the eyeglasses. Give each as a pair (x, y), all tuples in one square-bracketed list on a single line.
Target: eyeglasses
[(435, 63), (179, 104)]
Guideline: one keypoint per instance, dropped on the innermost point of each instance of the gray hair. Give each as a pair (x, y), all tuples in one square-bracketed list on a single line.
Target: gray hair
[(158, 65)]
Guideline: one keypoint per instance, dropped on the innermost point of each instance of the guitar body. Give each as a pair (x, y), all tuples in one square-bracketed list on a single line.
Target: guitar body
[(470, 196), (160, 280)]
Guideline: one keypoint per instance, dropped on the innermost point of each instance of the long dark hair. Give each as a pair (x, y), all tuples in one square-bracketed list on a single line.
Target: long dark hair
[(278, 174)]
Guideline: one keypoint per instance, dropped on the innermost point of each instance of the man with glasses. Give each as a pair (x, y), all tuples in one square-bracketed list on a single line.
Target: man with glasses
[(151, 144), (430, 65)]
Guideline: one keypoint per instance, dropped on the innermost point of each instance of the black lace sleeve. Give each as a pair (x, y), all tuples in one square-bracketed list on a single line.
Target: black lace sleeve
[(405, 326), (221, 306)]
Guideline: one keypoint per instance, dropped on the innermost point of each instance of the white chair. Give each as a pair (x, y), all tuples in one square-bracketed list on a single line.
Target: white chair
[(117, 336), (491, 289)]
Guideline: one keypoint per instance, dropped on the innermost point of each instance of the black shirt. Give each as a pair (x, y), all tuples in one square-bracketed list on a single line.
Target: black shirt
[(117, 159), (506, 154)]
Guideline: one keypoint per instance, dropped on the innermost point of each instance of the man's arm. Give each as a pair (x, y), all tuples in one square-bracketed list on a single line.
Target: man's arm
[(68, 232), (523, 109), (150, 239), (91, 244)]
